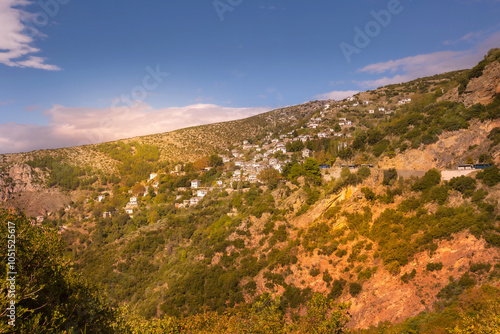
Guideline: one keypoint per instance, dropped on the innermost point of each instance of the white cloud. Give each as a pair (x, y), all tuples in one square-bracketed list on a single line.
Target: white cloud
[(15, 43), (410, 68), (81, 126), (337, 95)]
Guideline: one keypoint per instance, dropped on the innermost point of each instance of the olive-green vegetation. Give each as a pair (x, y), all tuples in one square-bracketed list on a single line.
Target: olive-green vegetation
[(224, 265), (62, 174), (136, 161), (49, 296)]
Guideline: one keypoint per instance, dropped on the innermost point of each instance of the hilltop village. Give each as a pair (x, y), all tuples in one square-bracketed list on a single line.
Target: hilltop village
[(245, 162)]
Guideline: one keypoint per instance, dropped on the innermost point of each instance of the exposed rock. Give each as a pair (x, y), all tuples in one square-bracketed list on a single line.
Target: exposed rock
[(479, 90), (483, 89), (19, 178), (451, 149)]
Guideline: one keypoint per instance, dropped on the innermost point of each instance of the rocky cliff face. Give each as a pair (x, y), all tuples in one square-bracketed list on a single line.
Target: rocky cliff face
[(479, 90), (23, 187), (452, 149), (483, 89), (15, 179)]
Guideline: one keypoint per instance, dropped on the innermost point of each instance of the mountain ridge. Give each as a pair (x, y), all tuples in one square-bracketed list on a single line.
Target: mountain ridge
[(348, 199)]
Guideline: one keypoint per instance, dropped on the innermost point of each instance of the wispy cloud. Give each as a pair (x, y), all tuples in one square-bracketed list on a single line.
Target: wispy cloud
[(80, 126), (4, 103), (337, 95), (16, 45), (32, 108), (410, 68), (474, 36)]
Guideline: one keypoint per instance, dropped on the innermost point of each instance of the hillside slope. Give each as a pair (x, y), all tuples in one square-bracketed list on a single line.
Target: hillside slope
[(359, 200)]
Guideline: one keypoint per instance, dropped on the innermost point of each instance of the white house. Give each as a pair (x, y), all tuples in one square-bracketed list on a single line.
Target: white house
[(371, 111), (133, 201), (201, 193), (304, 138), (322, 135), (195, 184), (252, 178), (306, 153), (100, 198), (152, 176), (404, 101), (281, 147), (220, 183), (194, 201), (129, 211), (278, 167), (236, 153), (381, 109)]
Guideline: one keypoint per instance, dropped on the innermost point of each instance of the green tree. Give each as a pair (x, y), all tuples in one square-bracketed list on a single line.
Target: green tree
[(49, 297), (369, 194), (270, 176), (390, 176), (489, 176), (320, 319), (215, 160), (345, 153), (431, 178), (311, 169)]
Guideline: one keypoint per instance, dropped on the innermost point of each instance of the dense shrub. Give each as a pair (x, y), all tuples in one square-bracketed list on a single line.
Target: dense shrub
[(466, 185), (355, 288), (431, 178), (390, 176), (434, 266), (337, 288), (489, 176), (369, 194)]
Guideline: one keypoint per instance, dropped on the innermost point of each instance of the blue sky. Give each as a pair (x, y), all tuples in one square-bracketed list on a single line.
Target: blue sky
[(80, 72)]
